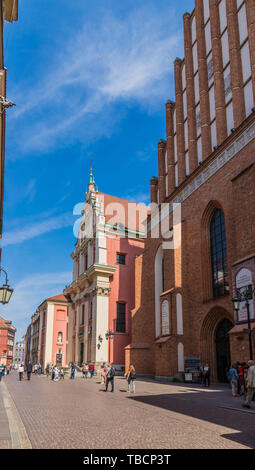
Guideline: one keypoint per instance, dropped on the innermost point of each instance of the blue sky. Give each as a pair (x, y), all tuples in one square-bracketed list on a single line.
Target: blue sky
[(90, 80)]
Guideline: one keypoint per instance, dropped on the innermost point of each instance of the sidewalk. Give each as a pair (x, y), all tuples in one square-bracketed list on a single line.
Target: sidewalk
[(5, 436), (13, 434)]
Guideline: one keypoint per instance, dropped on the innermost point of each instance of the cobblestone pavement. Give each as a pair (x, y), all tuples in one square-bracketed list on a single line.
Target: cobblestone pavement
[(5, 436), (79, 415)]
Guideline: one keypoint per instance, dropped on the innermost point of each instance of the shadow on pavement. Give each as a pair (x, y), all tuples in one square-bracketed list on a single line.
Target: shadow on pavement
[(202, 408)]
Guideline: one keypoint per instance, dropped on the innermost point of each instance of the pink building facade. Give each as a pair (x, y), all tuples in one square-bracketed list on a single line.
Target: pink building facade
[(110, 237), (49, 332)]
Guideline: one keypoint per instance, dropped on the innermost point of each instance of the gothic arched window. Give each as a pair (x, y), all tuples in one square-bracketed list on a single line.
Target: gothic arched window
[(218, 254)]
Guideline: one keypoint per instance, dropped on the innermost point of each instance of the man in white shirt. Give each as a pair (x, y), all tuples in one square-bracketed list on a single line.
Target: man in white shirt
[(21, 372), (250, 384)]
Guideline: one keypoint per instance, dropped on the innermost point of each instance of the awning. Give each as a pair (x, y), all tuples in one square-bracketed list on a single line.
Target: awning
[(241, 328), (164, 339)]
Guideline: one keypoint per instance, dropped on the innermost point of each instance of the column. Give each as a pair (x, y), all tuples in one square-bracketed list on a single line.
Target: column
[(220, 111), (170, 145), (179, 121), (161, 170), (235, 63), (250, 11), (190, 89), (203, 81)]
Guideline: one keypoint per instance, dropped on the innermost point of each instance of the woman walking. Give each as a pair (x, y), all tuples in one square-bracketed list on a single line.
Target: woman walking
[(56, 374), (131, 377)]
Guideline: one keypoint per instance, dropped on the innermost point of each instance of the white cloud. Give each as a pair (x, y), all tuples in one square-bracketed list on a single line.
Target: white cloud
[(126, 59), (32, 230), (29, 293)]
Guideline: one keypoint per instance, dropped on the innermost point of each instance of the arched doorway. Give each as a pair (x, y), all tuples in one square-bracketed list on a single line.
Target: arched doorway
[(222, 349), (214, 342)]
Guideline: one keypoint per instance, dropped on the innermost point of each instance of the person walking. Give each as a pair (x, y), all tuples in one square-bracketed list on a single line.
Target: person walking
[(29, 370), (250, 384), (1, 372), (207, 374), (233, 377), (52, 372), (110, 378), (56, 374), (86, 367), (8, 370), (21, 372), (241, 379), (131, 377), (47, 370), (72, 371), (91, 370), (62, 374), (102, 375)]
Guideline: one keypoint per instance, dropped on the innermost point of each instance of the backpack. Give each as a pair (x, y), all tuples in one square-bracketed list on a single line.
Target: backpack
[(111, 373)]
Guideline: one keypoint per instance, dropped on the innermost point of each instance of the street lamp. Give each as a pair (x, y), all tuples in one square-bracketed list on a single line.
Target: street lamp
[(5, 290), (246, 296), (109, 335)]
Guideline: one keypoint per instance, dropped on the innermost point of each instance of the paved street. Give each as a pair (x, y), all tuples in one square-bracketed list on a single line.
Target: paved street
[(78, 414)]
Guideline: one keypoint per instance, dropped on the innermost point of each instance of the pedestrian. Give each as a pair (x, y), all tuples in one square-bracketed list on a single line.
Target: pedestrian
[(207, 374), (29, 370), (39, 369), (8, 370), (86, 370), (83, 371), (62, 374), (72, 371), (233, 377), (131, 377), (1, 372), (241, 378), (52, 372), (21, 372), (201, 374), (110, 378), (47, 370), (250, 384), (102, 375), (91, 370), (35, 368), (56, 374)]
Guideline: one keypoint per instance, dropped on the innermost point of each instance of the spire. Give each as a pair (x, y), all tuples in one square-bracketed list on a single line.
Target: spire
[(91, 185)]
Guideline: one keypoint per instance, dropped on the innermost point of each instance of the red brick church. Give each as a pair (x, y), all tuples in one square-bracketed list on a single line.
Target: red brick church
[(184, 312)]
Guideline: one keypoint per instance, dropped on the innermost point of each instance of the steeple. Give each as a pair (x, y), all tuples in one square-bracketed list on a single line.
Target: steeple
[(91, 185)]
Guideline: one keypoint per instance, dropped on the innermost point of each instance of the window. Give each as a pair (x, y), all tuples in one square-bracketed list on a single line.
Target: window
[(60, 337), (121, 259), (121, 318), (82, 314), (218, 254)]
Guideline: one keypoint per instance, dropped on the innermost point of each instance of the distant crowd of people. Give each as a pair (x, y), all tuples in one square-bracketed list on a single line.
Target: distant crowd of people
[(242, 380)]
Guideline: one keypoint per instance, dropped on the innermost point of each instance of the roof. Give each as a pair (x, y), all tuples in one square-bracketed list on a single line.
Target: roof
[(240, 328), (6, 323), (60, 298), (124, 212)]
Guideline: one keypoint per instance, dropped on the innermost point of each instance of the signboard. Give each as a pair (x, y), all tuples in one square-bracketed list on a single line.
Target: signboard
[(165, 317), (243, 287)]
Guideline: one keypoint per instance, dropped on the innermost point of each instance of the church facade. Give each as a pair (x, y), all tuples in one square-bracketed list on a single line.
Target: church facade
[(184, 313), (110, 237)]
